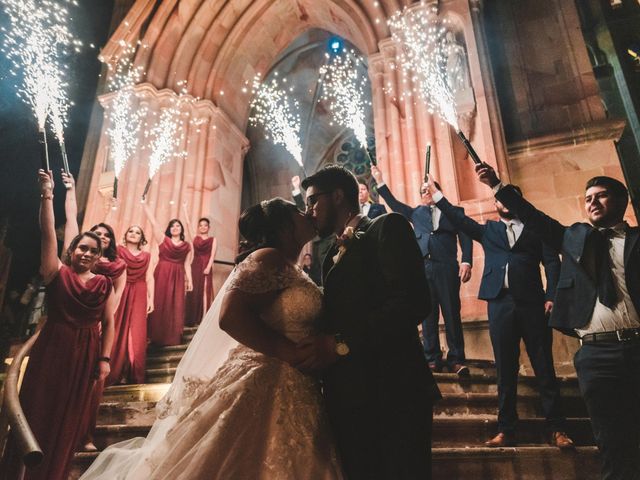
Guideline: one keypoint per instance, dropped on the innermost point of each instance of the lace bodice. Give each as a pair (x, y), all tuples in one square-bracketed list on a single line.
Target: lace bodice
[(296, 309)]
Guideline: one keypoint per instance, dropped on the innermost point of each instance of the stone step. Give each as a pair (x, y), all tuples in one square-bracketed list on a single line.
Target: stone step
[(137, 408), (474, 431), (479, 463), (473, 404), (527, 385), (520, 463), (146, 392), (447, 432)]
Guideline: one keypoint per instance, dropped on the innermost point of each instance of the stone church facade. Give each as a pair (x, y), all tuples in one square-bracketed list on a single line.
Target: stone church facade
[(529, 102)]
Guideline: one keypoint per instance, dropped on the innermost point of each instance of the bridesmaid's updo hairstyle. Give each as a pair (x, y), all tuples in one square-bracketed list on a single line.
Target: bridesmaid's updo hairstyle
[(260, 225), (111, 251), (74, 244), (172, 222), (143, 239), (205, 219)]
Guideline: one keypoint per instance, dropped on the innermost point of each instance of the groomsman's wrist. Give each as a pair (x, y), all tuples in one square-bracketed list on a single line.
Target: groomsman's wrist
[(497, 187), (437, 196), (296, 192)]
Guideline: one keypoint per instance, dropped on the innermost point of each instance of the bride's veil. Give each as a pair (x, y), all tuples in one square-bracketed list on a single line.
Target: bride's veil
[(208, 350)]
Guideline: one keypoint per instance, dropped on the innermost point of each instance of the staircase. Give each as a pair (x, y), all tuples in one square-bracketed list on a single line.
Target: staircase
[(463, 420)]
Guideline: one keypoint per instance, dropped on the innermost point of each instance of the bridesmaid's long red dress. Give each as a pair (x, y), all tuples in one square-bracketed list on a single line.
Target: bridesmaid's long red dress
[(57, 386), (129, 351), (166, 322), (112, 270), (199, 300)]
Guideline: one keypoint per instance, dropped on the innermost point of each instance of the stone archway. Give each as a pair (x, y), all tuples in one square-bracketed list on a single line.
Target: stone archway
[(217, 47)]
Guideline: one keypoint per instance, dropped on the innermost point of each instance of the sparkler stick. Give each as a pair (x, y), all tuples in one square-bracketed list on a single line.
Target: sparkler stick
[(427, 163), (472, 153), (57, 122), (278, 114), (44, 150)]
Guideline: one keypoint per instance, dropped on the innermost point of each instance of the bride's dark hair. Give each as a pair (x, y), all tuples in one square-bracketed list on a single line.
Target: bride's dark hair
[(260, 225)]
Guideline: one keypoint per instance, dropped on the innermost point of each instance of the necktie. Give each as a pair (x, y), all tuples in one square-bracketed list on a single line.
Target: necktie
[(604, 276), (511, 235)]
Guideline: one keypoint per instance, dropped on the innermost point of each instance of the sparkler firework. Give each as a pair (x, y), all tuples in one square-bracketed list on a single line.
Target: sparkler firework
[(278, 114), (422, 56), (344, 90), (125, 118), (36, 43), (166, 138)]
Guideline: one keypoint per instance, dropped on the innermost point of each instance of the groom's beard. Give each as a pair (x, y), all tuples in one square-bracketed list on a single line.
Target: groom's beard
[(327, 223)]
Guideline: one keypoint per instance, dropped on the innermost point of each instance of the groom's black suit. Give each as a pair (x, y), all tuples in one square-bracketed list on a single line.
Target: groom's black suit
[(379, 397)]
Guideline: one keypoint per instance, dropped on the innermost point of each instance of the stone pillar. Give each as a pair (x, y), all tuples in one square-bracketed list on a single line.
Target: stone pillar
[(206, 180)]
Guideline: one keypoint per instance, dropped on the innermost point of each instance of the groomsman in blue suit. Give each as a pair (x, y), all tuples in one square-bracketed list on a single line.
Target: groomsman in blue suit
[(598, 300), (517, 309), (437, 238), (367, 207)]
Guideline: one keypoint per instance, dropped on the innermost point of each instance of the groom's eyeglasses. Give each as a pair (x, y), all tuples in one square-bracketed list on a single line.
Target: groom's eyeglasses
[(313, 199)]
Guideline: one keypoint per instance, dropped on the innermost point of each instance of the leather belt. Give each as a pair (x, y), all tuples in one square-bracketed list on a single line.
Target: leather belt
[(617, 336)]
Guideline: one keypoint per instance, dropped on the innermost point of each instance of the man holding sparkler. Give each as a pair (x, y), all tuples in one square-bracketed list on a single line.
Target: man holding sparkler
[(436, 236), (517, 309), (598, 300)]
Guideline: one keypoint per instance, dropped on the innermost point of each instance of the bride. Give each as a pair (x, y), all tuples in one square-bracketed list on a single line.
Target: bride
[(238, 408)]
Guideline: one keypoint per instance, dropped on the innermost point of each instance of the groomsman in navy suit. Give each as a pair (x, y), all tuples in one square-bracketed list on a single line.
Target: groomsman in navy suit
[(598, 300), (517, 309), (367, 207), (437, 236)]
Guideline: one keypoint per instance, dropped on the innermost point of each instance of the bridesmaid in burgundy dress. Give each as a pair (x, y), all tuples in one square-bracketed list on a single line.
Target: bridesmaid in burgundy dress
[(172, 278), (108, 265), (71, 353), (129, 352), (204, 251)]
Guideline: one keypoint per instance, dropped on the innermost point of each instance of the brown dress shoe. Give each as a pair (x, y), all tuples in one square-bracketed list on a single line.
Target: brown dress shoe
[(562, 441), (501, 440)]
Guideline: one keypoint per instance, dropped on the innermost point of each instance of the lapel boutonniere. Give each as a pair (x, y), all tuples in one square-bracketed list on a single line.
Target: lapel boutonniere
[(344, 241)]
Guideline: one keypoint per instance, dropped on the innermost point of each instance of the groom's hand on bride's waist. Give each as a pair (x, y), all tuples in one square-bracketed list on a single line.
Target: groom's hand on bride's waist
[(316, 353)]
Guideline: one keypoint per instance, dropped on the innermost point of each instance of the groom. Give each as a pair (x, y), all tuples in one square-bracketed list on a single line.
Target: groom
[(378, 388)]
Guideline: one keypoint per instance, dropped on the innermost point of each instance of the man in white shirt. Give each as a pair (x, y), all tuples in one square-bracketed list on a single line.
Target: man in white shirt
[(597, 300)]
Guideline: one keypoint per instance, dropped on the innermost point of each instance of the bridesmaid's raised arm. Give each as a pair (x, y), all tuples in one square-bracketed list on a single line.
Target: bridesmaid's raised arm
[(187, 271), (49, 261), (158, 233), (189, 232), (70, 210)]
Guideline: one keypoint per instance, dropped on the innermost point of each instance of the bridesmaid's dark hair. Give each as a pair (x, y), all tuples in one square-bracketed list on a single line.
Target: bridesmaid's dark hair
[(143, 239), (172, 222), (66, 259), (260, 225), (111, 251), (205, 219)]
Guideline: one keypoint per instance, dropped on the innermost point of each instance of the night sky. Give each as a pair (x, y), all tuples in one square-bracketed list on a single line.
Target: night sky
[(19, 151)]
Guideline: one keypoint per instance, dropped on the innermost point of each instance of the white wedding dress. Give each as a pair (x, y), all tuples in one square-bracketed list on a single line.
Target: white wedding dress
[(234, 413)]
